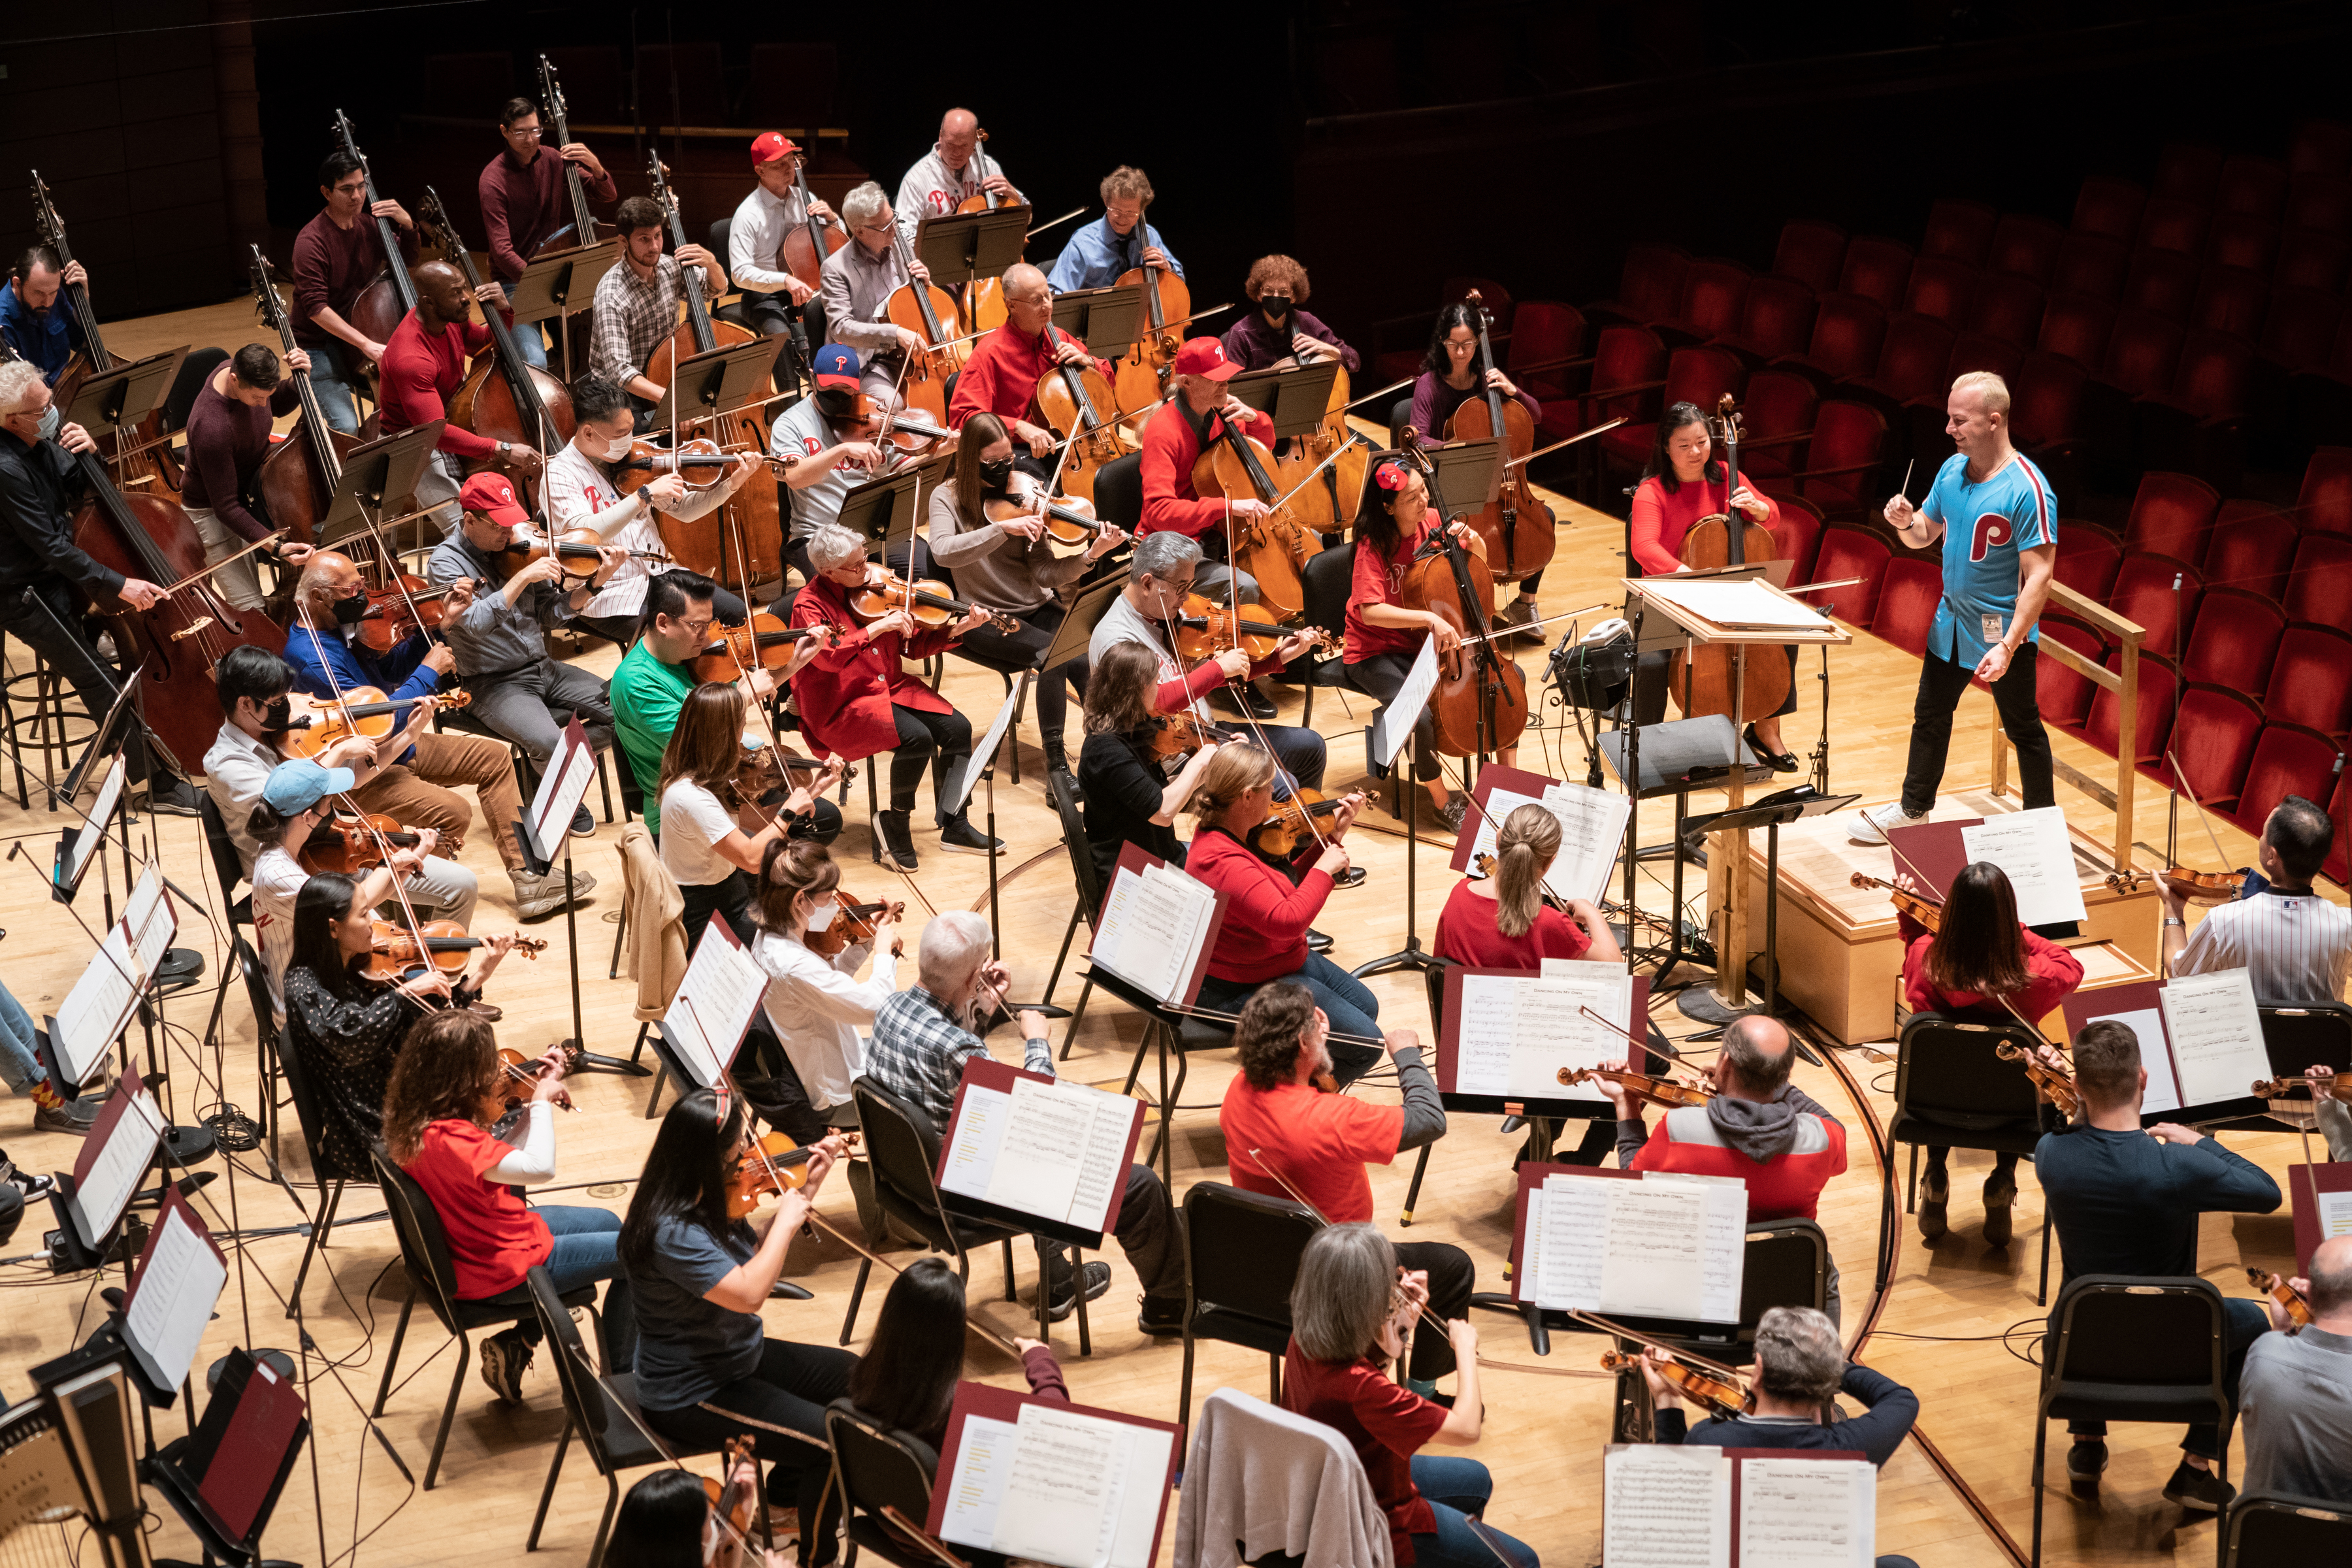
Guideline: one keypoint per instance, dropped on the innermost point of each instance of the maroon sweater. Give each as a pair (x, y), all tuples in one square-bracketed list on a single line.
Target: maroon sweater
[(332, 267), (226, 441), (523, 204)]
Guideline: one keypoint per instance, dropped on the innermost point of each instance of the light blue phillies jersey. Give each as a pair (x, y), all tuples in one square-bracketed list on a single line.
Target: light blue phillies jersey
[(1985, 526)]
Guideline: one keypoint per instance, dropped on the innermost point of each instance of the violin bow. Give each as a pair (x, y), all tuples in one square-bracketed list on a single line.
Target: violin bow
[(1240, 689), (2190, 790)]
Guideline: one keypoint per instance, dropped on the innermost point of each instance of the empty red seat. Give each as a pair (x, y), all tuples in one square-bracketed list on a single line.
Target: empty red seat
[(2230, 299), (2339, 811), (2309, 259), (1907, 597), (2171, 514), (1841, 466), (2007, 308), (2142, 353), (2161, 282), (2088, 559), (2173, 225), (1941, 288), (1910, 361), (1847, 330), (1958, 231), (1810, 252), (2253, 186), (1545, 336), (1629, 366), (2063, 696), (2253, 548), (2320, 147), (2311, 678), (2319, 587), (1649, 284), (1709, 306), (1974, 351), (2077, 327), (1699, 375), (2108, 206), (2154, 719), (2186, 172), (1776, 317), (2242, 239), (2288, 760), (2235, 640), (2211, 739), (2323, 504), (2198, 422), (2298, 326), (2025, 246), (2321, 203), (1779, 414), (1877, 269), (1851, 553), (1798, 534), (2091, 264), (2161, 595), (2045, 411)]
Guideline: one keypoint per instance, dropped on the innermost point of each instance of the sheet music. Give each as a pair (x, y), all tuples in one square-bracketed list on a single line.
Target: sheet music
[(1046, 1130), (1660, 1247), (2146, 1025), (979, 1128), (99, 1196), (97, 1009), (1151, 928), (1515, 1035), (91, 834), (1808, 1513), (1393, 727), (1565, 1217), (983, 755), (172, 1297), (1739, 602), (1063, 1489), (2335, 1215), (2033, 847), (1592, 834), (1654, 1253), (2217, 1035), (977, 1485), (1666, 1507), (561, 790), (714, 1004)]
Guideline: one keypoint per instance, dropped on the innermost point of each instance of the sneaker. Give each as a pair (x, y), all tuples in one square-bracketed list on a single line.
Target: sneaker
[(1065, 1300), (583, 821), (1451, 814), (506, 1356), (74, 1118), (1161, 1319), (1519, 616), (538, 895), (2199, 1491), (34, 1187), (963, 839), (897, 844), (1935, 1192), (1353, 877), (2083, 1463), (1999, 1199), (1870, 826), (171, 796)]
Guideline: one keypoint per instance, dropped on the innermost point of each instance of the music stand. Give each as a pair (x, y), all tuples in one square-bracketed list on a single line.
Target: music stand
[(1297, 401), (960, 248), (1771, 814), (1466, 474), (706, 385), (122, 397), (561, 283), (1078, 628), (877, 507), (1107, 321), (377, 477)]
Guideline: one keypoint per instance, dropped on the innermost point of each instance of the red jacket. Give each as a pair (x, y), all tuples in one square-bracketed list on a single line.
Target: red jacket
[(1001, 377), (1787, 1186), (846, 693), (2051, 973), (421, 374), (1171, 505), (1266, 914)]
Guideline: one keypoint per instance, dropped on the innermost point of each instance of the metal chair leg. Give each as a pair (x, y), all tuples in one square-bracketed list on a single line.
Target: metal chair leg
[(1069, 934), (1077, 1278), (1010, 1294), (653, 1102), (2041, 1445), (1077, 1016), (318, 1239), (449, 1410), (1045, 1283), (392, 1357), (1184, 1384), (857, 1294), (604, 1525), (547, 1493)]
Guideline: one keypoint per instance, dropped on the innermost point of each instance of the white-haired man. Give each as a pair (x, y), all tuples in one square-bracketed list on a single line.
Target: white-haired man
[(1999, 521), (857, 282), (922, 1037)]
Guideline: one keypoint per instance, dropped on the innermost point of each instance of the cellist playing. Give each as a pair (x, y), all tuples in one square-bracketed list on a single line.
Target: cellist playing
[(638, 302), (755, 238), (859, 279), (1115, 243), (951, 173), (1002, 375)]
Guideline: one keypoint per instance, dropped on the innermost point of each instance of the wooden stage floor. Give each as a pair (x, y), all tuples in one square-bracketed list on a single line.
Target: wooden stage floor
[(1957, 1324)]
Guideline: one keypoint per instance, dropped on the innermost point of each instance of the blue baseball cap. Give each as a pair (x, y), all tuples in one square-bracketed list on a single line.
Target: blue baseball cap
[(836, 366), (299, 785)]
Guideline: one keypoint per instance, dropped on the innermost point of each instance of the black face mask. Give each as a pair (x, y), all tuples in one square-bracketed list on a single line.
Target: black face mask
[(834, 404), (1275, 306), (279, 717), (996, 475), (352, 611)]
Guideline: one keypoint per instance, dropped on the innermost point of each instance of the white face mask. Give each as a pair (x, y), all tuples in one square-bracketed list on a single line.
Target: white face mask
[(618, 449), (820, 919)]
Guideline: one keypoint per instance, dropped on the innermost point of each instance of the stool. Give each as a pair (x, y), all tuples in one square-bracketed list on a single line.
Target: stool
[(46, 724)]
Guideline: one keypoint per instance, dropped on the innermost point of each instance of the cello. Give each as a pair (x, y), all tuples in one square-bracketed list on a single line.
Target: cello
[(1519, 529), (1273, 548), (503, 398), (1142, 378), (1330, 506), (382, 303), (984, 297), (1701, 680), (1480, 703), (805, 249), (929, 313), (297, 476), (748, 543), (143, 453)]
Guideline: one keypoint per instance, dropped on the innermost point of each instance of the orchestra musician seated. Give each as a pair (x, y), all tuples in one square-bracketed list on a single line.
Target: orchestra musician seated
[(2295, 945), (1010, 565), (638, 303), (1800, 1368), (417, 786), (1273, 901), (1177, 433), (2329, 1110), (578, 491), (526, 207), (704, 843), (1100, 253), (1352, 1308), (954, 172), (425, 365), (228, 435), (667, 1519), (832, 437), (338, 256), (815, 1005), (1001, 375), (1449, 378), (2126, 1200), (859, 279), (923, 1035), (857, 699), (705, 1369), (1758, 1126), (2294, 1395), (449, 1090), (1394, 522), (500, 634), (1980, 966), (755, 236), (1277, 330), (1281, 1126), (31, 325), (1132, 797)]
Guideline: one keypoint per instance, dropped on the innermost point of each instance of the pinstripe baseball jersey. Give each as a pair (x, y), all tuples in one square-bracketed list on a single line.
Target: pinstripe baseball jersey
[(1985, 526), (2297, 946)]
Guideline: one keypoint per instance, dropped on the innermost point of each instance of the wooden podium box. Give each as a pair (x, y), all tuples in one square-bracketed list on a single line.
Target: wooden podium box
[(1841, 954)]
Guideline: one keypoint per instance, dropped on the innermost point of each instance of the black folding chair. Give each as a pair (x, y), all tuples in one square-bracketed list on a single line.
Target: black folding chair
[(1951, 1091), (1241, 1258), (1070, 800), (2296, 1036), (1785, 1263), (875, 1467), (2268, 1528), (330, 1175)]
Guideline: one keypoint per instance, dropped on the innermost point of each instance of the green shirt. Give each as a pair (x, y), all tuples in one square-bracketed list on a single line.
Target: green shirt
[(646, 695)]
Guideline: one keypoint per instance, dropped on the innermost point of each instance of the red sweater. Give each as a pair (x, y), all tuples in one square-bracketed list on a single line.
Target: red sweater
[(1466, 933), (1171, 505), (1787, 1186), (2051, 973), (844, 694), (226, 441), (421, 374), (523, 204), (1001, 377), (1266, 914), (1660, 520)]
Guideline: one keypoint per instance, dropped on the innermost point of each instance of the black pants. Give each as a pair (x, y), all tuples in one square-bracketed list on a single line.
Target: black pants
[(773, 1085), (622, 630), (732, 898), (1147, 1233), (1940, 684), (1649, 685), (1053, 685), (1379, 678), (1452, 1276), (938, 740), (771, 317), (59, 640), (782, 1407)]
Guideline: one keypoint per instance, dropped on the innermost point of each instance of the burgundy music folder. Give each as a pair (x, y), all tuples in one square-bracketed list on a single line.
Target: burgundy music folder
[(981, 1072), (1004, 1405)]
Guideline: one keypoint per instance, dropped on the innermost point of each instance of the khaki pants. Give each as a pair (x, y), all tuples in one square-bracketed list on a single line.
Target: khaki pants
[(419, 793)]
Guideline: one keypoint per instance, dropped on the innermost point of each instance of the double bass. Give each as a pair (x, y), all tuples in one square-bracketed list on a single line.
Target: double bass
[(504, 398), (741, 542), (382, 303), (1701, 681), (1519, 529), (297, 476), (582, 229), (1273, 548), (1480, 703), (143, 453)]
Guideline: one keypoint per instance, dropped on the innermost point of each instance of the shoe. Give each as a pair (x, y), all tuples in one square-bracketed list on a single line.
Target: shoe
[(963, 837), (1870, 826), (1781, 762), (1318, 942), (898, 843), (1161, 1320), (1935, 1192), (2000, 1200), (171, 796), (506, 1356), (2199, 1491), (583, 821), (25, 1182), (1451, 814), (2083, 1463), (1065, 1300), (1519, 616), (1249, 704), (486, 1012), (537, 895), (1353, 877), (74, 1118)]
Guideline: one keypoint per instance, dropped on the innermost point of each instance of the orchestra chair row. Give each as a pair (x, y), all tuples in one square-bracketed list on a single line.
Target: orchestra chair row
[(875, 1467), (329, 1176)]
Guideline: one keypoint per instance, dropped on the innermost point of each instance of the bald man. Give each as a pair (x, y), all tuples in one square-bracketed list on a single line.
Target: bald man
[(1001, 377), (951, 173), (2294, 1395), (423, 367)]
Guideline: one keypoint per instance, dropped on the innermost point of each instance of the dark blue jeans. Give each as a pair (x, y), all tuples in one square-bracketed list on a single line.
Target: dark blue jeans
[(1348, 1000), (2246, 1323), (1458, 1491)]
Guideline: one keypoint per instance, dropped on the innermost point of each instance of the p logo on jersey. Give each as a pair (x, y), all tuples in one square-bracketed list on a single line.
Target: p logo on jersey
[(1992, 528)]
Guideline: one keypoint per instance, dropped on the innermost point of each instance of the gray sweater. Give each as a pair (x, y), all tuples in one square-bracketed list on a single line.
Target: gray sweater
[(2296, 1400)]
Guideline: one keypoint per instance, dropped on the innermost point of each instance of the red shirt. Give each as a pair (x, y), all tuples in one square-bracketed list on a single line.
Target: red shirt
[(1375, 581), (421, 374), (846, 693), (524, 203), (1660, 520), (1385, 1424), (1000, 376), (494, 1238), (1466, 933), (1266, 914), (1321, 1141), (2051, 973), (1787, 1186), (1170, 504)]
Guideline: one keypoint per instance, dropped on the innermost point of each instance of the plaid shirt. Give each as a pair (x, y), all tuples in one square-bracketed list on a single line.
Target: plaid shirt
[(632, 318), (918, 1051)]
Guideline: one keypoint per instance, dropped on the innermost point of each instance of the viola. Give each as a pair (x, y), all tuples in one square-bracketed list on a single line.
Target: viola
[(762, 642), (1701, 680), (774, 1164), (1519, 529), (503, 398), (1067, 522), (319, 723), (297, 478), (853, 923), (392, 294), (400, 952), (2055, 1083), (1726, 1397), (581, 544), (2290, 1300), (1173, 734), (1273, 548), (1480, 703), (1205, 629), (1928, 912), (1666, 1091), (1291, 824), (399, 609), (739, 1519), (352, 842), (926, 603), (1081, 407)]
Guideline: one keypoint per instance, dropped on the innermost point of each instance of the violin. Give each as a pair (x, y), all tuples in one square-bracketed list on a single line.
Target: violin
[(1291, 824), (1666, 1091), (1700, 681), (398, 609), (853, 923), (1079, 406), (2276, 1087), (444, 947), (1726, 1397), (1480, 703), (1204, 628), (351, 842), (2189, 886), (1175, 734), (391, 296), (520, 1071), (1926, 911), (774, 1164), (2290, 1301), (926, 603), (581, 545), (504, 398), (1067, 522), (319, 722), (762, 642), (739, 1519), (2055, 1083), (761, 771), (1273, 548), (1519, 530)]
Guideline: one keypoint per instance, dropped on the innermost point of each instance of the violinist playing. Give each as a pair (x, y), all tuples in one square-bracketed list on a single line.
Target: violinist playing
[(41, 487), (1131, 795), (1684, 483), (1002, 374), (526, 204), (1102, 252), (577, 492), (338, 256), (2295, 1396), (856, 697), (859, 279), (755, 236), (1449, 378), (835, 435), (2329, 1110), (228, 435), (638, 303), (951, 173), (1980, 966), (1393, 523), (1008, 564), (499, 634), (1176, 433), (816, 1004), (1278, 329), (448, 1088), (424, 366), (2295, 945)]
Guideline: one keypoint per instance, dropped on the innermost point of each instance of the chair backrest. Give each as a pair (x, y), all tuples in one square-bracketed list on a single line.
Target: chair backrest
[(424, 1244), (2288, 760), (585, 1399), (2144, 1332), (226, 868), (2075, 326), (2324, 502), (1118, 491), (2024, 247), (2235, 640), (195, 369), (900, 1141), (1324, 583), (1947, 1069), (1069, 804), (1786, 1264), (2173, 514), (2274, 1527), (2310, 679), (879, 1467), (721, 230), (1240, 1435), (1810, 251), (2311, 260), (2298, 1034), (1242, 1250)]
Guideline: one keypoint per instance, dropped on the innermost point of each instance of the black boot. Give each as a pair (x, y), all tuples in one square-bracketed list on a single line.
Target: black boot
[(898, 843), (1057, 758)]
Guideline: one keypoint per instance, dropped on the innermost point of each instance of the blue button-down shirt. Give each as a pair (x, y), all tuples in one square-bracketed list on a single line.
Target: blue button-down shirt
[(45, 337), (399, 674), (1096, 257)]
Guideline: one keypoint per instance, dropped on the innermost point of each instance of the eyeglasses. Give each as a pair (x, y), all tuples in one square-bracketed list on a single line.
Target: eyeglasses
[(697, 629), (531, 135)]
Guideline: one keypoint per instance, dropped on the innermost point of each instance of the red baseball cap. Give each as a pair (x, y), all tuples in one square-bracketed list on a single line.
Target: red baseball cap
[(493, 495), (769, 145), (1205, 356)]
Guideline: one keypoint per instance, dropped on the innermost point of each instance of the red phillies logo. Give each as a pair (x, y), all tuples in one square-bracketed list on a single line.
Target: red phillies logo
[(812, 445), (1991, 528)]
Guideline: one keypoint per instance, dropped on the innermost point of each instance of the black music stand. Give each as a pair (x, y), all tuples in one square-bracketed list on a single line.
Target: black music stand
[(960, 248), (706, 385), (119, 398), (1107, 321), (877, 507), (561, 283), (1673, 758), (1297, 401), (1770, 814), (378, 478)]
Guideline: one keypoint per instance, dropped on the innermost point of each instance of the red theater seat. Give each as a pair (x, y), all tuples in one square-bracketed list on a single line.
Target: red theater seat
[(2311, 680), (2235, 640), (2253, 548), (1810, 252)]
